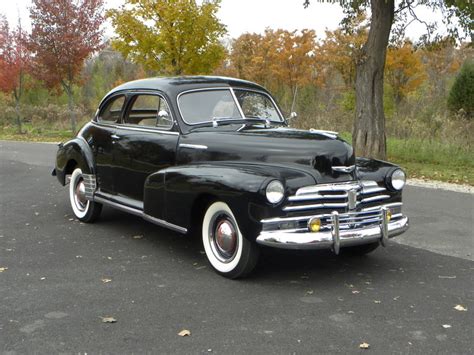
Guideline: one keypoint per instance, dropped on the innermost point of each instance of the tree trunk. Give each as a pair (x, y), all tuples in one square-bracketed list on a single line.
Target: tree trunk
[(70, 104), (17, 111), (368, 135)]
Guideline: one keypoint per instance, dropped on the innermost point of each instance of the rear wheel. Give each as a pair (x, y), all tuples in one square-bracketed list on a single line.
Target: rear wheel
[(359, 250), (230, 254), (84, 209)]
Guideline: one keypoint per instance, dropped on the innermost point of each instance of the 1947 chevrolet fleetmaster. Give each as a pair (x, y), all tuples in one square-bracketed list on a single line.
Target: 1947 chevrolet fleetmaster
[(215, 155)]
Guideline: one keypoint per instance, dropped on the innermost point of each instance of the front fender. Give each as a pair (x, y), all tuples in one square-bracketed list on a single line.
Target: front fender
[(170, 194), (77, 150)]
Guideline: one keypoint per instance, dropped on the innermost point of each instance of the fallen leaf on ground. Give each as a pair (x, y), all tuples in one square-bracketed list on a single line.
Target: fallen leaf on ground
[(137, 236), (108, 320), (364, 346), (184, 333), (446, 326), (2, 269), (460, 308), (106, 280)]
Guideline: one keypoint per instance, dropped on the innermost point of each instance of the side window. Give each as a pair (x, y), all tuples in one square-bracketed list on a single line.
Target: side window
[(150, 111), (110, 113)]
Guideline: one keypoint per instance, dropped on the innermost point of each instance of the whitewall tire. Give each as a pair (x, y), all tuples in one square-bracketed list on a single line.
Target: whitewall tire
[(84, 210), (229, 253)]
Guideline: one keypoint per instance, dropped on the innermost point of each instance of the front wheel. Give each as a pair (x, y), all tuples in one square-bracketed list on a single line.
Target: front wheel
[(84, 209), (230, 254)]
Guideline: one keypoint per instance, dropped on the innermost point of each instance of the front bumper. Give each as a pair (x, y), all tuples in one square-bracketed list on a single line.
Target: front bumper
[(335, 238)]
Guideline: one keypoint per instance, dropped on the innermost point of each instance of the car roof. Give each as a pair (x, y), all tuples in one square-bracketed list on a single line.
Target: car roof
[(178, 84)]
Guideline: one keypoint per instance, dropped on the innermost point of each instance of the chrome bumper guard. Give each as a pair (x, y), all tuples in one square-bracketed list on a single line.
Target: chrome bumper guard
[(335, 238)]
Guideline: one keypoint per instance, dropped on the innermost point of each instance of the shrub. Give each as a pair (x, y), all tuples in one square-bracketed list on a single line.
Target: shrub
[(461, 95)]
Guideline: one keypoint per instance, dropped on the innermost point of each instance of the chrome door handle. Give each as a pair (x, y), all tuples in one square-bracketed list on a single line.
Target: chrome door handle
[(115, 137)]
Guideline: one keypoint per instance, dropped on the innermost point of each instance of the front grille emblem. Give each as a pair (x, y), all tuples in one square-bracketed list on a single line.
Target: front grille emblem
[(352, 199)]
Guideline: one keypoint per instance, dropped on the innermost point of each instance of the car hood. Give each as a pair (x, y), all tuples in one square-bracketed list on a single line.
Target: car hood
[(312, 151)]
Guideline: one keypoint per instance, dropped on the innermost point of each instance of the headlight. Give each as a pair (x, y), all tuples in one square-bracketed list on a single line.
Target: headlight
[(275, 191), (397, 179)]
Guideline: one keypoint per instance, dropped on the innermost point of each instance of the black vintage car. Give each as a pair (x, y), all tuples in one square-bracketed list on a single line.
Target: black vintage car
[(215, 155)]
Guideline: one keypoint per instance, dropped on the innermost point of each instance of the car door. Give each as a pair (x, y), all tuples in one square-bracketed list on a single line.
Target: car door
[(103, 134), (146, 142)]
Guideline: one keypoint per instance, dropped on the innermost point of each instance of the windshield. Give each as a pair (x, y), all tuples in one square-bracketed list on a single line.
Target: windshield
[(208, 105)]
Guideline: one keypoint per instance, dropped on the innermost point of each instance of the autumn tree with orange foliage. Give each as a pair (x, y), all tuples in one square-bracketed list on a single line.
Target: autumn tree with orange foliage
[(275, 59), (342, 48), (14, 64), (64, 34), (404, 70)]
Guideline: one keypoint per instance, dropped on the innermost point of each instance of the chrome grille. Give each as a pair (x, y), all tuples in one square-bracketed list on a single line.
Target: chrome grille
[(336, 196)]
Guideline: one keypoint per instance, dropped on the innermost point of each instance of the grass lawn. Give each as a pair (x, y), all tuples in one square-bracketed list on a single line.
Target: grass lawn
[(421, 159)]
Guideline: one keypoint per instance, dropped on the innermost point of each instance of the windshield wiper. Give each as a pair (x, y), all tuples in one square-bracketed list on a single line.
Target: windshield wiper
[(216, 121), (220, 121)]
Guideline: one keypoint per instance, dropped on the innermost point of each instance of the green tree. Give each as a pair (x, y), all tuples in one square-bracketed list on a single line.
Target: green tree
[(173, 37), (461, 95), (368, 134)]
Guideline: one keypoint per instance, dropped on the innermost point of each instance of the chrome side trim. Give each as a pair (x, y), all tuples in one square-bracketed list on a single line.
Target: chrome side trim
[(140, 213), (192, 146), (344, 169), (165, 224), (150, 130), (118, 206)]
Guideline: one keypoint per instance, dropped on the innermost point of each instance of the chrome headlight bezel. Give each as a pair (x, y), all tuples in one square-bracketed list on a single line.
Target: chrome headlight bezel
[(397, 179), (275, 192)]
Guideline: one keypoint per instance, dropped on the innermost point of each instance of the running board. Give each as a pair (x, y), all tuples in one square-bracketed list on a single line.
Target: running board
[(100, 198)]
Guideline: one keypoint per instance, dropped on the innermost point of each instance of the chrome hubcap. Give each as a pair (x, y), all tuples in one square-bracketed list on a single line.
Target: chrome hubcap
[(224, 239), (80, 195)]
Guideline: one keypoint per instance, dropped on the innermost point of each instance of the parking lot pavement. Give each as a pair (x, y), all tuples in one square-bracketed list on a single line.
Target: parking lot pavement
[(59, 278)]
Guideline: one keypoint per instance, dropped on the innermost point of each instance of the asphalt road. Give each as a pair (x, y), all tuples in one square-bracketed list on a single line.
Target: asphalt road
[(53, 297)]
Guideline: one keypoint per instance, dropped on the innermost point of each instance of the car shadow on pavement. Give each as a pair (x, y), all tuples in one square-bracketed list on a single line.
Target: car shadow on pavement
[(274, 264)]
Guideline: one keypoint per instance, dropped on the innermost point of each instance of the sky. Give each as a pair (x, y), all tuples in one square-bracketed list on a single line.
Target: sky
[(242, 16)]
